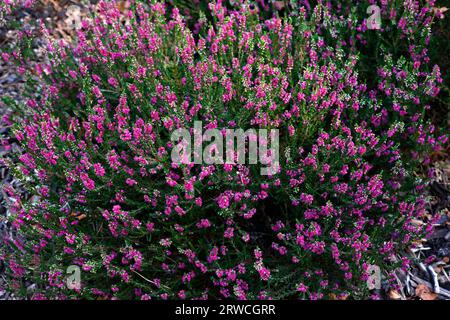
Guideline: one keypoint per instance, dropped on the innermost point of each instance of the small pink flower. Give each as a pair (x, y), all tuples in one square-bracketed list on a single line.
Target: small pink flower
[(223, 201), (131, 182), (302, 288), (264, 273)]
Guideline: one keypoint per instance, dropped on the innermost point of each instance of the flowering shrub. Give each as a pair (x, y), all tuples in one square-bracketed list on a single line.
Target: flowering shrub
[(8, 6), (350, 104)]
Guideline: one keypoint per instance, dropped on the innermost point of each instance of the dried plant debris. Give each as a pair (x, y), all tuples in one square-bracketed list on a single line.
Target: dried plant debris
[(425, 293), (430, 276)]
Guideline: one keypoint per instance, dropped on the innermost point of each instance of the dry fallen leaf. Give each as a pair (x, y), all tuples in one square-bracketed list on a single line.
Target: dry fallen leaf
[(335, 297), (440, 10), (81, 217), (425, 293), (419, 243), (394, 295), (78, 215)]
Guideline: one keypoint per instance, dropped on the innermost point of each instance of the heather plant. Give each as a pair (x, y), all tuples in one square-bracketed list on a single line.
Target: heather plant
[(96, 132)]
